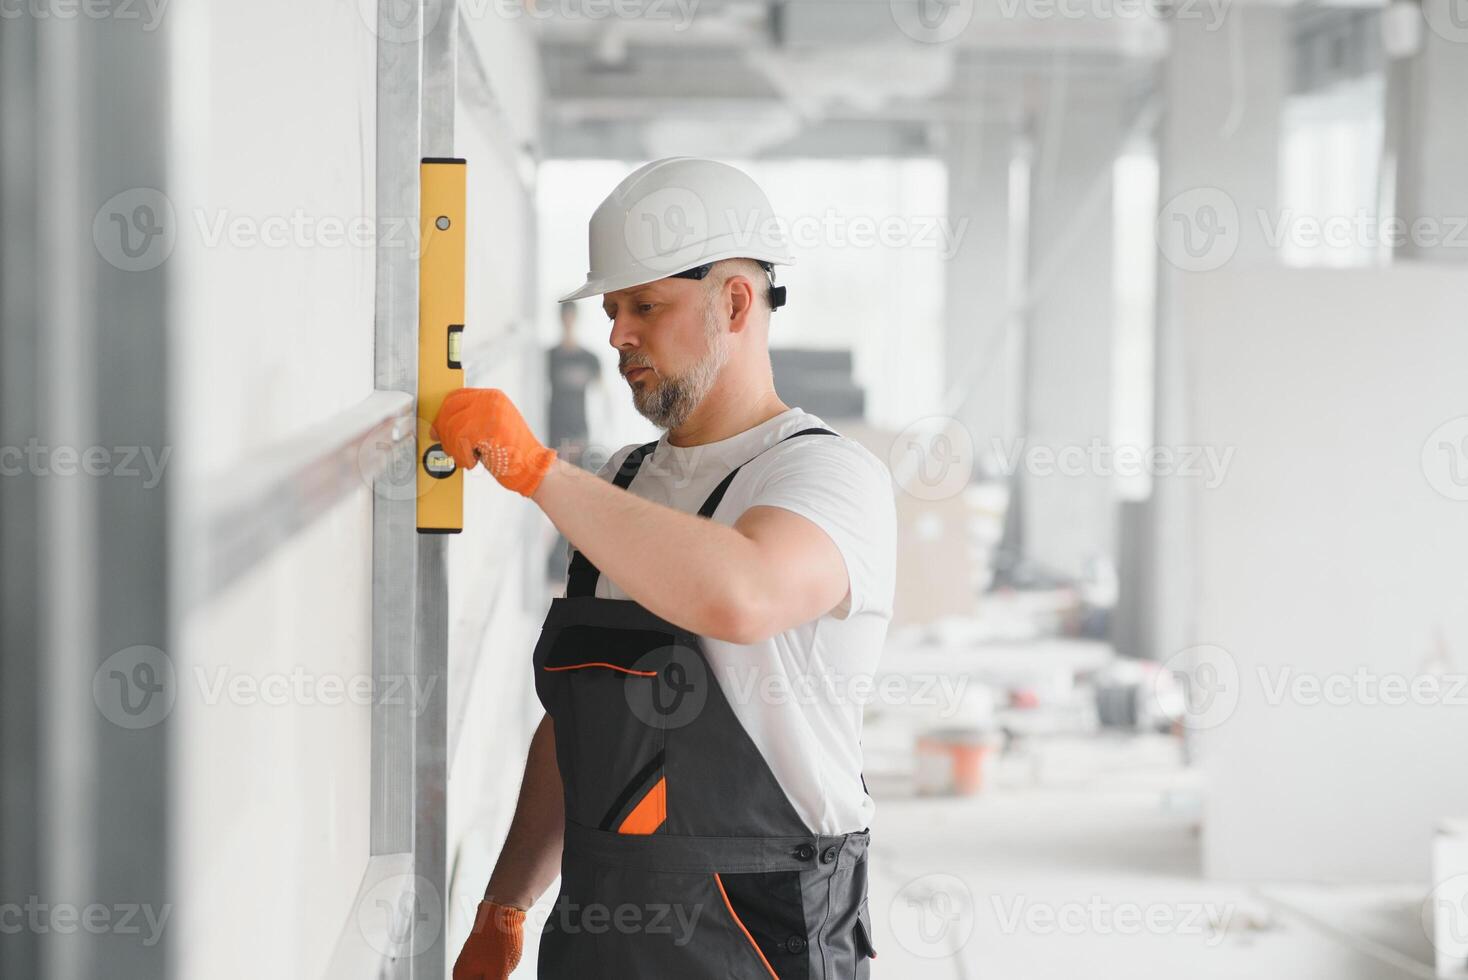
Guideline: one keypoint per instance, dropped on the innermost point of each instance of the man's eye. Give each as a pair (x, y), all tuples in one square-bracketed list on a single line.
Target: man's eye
[(644, 308)]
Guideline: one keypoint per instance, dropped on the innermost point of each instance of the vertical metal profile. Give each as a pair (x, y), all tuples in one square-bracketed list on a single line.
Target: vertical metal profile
[(430, 805), (415, 112), (395, 355)]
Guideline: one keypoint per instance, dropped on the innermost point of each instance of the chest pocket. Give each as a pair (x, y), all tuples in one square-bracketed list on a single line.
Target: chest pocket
[(613, 695)]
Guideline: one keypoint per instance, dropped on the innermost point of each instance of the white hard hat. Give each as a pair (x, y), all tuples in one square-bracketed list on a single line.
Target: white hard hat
[(675, 215)]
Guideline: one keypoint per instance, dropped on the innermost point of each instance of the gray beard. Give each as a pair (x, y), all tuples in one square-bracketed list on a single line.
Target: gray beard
[(673, 399)]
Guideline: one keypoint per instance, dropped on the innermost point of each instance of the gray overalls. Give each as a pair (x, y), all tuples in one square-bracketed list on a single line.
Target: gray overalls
[(683, 858)]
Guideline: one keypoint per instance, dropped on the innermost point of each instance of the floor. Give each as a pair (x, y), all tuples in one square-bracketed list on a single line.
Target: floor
[(1080, 859)]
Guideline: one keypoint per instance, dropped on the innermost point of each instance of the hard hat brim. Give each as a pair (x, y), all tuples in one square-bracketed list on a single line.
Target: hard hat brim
[(639, 277)]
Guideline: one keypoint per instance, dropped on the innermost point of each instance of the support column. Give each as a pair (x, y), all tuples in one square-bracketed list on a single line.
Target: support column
[(1069, 510), (1218, 157), (1431, 134), (981, 362)]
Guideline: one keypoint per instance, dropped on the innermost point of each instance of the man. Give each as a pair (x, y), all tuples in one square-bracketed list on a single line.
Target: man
[(697, 780), (570, 369)]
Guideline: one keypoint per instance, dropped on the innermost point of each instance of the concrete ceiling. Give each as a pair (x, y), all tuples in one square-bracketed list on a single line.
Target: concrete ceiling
[(834, 78), (822, 77)]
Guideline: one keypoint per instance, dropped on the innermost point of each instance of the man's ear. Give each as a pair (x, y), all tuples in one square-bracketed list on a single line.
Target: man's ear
[(740, 300)]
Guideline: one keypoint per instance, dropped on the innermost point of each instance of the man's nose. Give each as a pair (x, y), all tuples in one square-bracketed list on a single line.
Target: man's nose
[(623, 334)]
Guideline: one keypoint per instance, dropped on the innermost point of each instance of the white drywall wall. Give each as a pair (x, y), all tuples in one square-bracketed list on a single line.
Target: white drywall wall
[(274, 146), (274, 142), (274, 724), (1333, 545)]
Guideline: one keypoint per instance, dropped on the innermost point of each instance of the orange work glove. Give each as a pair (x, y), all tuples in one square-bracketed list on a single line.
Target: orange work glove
[(483, 425), (494, 944)]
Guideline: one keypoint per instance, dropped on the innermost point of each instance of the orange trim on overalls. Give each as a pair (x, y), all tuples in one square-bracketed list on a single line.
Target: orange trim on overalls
[(625, 670), (740, 923), (649, 813)]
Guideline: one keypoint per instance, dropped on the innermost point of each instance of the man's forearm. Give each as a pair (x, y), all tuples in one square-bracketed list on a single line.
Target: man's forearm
[(690, 571), (531, 857)]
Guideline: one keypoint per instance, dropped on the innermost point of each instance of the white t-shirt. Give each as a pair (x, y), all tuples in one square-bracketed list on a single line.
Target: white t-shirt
[(800, 693)]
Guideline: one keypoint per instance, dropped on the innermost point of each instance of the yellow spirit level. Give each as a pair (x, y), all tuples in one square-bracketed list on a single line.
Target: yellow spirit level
[(440, 336)]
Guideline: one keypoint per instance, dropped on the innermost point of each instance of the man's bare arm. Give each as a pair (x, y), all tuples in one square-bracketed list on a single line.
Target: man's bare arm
[(531, 857), (771, 571)]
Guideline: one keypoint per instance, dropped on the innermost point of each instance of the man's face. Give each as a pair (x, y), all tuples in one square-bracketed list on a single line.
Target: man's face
[(671, 346)]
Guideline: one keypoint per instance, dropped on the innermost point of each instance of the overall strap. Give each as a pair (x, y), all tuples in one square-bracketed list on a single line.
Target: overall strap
[(583, 575), (712, 503)]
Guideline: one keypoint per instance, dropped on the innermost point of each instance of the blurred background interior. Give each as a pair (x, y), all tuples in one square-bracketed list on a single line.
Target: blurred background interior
[(1156, 312)]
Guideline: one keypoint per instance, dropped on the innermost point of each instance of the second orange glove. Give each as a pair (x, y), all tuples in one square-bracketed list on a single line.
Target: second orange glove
[(494, 945), (483, 425)]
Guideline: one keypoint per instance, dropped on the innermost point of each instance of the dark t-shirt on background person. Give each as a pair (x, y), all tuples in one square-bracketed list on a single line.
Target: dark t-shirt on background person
[(570, 371)]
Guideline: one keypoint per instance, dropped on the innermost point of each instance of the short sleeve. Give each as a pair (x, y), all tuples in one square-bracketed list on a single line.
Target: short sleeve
[(843, 489)]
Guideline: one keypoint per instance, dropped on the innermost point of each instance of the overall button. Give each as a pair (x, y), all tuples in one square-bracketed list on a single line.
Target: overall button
[(828, 855), (805, 852), (795, 944)]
